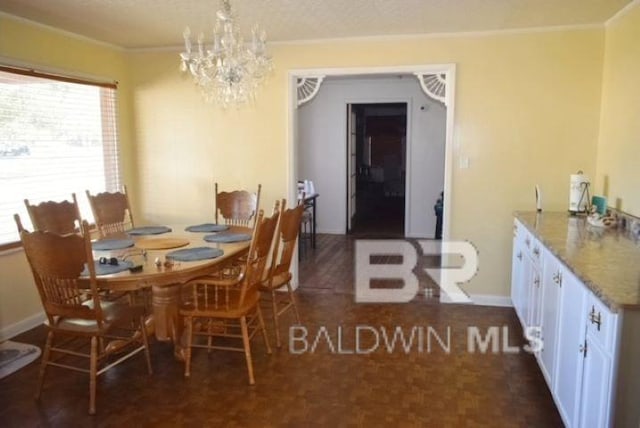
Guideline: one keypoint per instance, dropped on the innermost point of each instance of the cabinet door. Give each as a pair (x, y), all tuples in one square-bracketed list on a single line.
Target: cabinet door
[(596, 388), (517, 269), (535, 297), (571, 341), (551, 286)]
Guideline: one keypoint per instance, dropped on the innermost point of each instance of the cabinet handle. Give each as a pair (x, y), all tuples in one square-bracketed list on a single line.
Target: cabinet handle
[(557, 278), (595, 318), (536, 252), (528, 242), (536, 281), (583, 349), (519, 256)]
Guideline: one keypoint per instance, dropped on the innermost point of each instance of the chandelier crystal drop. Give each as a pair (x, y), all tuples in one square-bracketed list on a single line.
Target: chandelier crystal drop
[(230, 70)]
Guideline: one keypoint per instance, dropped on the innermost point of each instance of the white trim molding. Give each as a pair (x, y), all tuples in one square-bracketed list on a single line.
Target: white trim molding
[(434, 85), (21, 326), (307, 88), (491, 300), (481, 300), (622, 12)]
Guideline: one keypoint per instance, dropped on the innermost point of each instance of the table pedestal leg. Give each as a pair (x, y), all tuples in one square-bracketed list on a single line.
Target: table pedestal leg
[(168, 325)]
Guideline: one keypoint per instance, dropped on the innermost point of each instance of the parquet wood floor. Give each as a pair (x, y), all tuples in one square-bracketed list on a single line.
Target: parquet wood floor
[(321, 388)]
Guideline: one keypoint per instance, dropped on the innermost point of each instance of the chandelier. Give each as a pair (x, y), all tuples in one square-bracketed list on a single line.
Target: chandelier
[(230, 70)]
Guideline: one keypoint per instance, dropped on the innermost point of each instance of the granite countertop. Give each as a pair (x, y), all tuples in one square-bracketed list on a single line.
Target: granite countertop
[(606, 260)]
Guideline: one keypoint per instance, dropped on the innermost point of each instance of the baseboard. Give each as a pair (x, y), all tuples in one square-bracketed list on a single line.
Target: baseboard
[(482, 300), (331, 231), (491, 300), (21, 326)]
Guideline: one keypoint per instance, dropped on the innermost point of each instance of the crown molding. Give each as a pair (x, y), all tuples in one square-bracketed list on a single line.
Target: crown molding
[(61, 32), (622, 12), (461, 34), (400, 37), (377, 38)]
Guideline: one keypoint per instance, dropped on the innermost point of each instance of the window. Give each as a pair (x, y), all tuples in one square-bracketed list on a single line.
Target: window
[(58, 136)]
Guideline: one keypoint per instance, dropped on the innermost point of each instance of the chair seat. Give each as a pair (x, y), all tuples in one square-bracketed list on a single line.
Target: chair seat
[(276, 282), (223, 308), (114, 313)]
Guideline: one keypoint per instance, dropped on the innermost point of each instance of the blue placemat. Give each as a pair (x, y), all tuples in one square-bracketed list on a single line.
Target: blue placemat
[(108, 269), (228, 237), (193, 254), (207, 228), (112, 244), (149, 230)]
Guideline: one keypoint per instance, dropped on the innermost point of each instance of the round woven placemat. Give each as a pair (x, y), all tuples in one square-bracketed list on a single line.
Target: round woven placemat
[(161, 243)]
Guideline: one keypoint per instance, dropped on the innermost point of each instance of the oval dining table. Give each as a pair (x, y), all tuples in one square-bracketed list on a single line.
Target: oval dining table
[(166, 279)]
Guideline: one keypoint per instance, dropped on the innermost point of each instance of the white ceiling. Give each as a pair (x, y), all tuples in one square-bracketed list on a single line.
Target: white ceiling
[(159, 23)]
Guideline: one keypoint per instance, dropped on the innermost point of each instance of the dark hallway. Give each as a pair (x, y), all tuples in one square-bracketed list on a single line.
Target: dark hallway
[(380, 133)]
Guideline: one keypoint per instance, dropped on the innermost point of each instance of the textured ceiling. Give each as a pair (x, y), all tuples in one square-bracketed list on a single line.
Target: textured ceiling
[(159, 23)]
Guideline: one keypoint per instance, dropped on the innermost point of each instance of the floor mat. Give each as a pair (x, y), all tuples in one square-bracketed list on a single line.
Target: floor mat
[(14, 356)]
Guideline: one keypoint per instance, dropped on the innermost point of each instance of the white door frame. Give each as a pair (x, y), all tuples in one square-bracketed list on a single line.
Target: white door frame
[(292, 117)]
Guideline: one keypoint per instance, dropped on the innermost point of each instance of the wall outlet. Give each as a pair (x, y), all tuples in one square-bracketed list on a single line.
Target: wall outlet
[(463, 162)]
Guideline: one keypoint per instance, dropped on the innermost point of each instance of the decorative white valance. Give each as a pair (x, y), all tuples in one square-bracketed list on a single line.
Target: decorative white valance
[(308, 87), (434, 85)]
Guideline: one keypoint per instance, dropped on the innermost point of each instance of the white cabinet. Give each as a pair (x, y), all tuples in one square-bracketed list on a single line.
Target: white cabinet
[(519, 270), (571, 342), (590, 355), (598, 364), (551, 286), (596, 386), (526, 276)]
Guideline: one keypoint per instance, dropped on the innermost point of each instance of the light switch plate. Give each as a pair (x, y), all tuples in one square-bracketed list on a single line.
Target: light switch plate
[(463, 162)]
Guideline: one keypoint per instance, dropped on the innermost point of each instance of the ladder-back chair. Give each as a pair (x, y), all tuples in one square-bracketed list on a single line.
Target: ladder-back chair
[(65, 275), (232, 304), (279, 275)]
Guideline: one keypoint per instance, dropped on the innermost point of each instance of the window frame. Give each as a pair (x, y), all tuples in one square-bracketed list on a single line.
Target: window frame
[(66, 78)]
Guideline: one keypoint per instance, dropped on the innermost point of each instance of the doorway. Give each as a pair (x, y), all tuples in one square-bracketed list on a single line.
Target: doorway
[(376, 173), (334, 202)]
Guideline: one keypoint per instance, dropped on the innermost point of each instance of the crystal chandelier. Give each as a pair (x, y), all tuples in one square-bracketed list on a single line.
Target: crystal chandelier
[(230, 70)]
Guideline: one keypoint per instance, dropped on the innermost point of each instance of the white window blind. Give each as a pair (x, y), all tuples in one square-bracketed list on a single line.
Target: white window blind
[(58, 136)]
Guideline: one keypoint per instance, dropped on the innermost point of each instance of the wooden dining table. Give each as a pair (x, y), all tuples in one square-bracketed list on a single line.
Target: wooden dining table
[(165, 279)]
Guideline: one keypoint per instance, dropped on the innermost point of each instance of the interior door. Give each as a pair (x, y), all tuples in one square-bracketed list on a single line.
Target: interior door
[(351, 166)]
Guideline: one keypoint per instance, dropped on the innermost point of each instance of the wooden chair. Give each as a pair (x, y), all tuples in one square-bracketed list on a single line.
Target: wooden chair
[(113, 332), (237, 208), (111, 211), (232, 304), (62, 217), (279, 276)]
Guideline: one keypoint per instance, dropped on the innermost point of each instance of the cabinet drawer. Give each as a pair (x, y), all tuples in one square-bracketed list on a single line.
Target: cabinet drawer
[(601, 322)]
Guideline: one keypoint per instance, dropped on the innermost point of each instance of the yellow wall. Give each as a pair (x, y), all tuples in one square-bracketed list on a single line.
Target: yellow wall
[(618, 168), (39, 46), (527, 112)]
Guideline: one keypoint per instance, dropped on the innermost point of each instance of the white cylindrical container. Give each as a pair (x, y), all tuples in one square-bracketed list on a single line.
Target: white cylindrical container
[(578, 193)]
